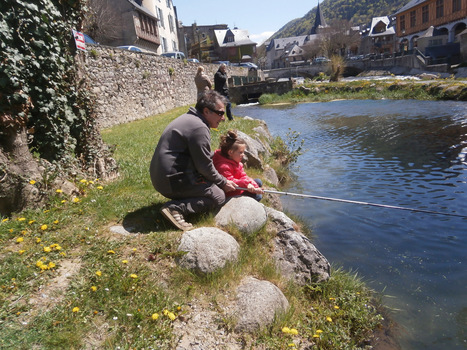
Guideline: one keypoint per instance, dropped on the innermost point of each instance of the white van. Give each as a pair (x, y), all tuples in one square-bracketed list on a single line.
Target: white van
[(174, 54)]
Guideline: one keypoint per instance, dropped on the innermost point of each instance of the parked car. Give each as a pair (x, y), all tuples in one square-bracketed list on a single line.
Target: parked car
[(227, 63), (193, 60), (249, 65), (321, 60), (131, 48), (175, 54)]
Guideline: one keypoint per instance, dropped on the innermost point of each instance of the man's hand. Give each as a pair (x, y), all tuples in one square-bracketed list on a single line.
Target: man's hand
[(229, 186)]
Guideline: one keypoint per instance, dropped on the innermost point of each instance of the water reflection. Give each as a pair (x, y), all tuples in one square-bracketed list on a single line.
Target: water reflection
[(405, 153)]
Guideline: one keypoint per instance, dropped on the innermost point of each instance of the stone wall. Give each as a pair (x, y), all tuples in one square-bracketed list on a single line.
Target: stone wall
[(128, 85)]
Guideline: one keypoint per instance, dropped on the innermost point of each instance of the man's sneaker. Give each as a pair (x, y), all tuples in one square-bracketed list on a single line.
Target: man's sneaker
[(176, 218)]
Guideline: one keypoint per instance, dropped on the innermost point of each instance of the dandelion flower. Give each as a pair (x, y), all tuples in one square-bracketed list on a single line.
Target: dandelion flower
[(336, 307), (31, 222), (155, 316), (83, 181), (21, 219), (293, 331), (134, 275), (332, 299), (75, 309), (165, 312), (63, 201), (100, 187), (93, 288), (58, 190), (21, 251), (47, 249), (99, 273), (51, 265), (291, 345), (56, 222), (5, 220), (39, 263), (63, 254), (43, 267), (91, 182), (110, 252), (329, 319), (286, 330), (125, 261), (38, 240), (316, 336), (319, 331), (75, 200), (44, 227), (171, 316), (32, 182), (19, 239)]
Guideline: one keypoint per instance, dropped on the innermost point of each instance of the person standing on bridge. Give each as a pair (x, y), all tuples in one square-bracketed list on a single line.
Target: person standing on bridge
[(222, 87)]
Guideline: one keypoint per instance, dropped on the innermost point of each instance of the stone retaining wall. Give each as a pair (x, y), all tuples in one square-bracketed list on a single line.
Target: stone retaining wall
[(128, 85)]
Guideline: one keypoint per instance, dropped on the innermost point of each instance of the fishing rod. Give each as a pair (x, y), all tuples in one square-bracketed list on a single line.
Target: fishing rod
[(358, 202)]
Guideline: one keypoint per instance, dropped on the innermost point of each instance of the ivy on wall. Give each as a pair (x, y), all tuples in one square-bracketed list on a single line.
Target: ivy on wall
[(37, 69)]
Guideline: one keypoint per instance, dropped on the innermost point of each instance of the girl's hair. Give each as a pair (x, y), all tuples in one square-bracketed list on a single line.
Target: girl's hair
[(200, 70), (230, 141)]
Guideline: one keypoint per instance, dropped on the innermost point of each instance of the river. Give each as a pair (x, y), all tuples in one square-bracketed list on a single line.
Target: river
[(403, 153)]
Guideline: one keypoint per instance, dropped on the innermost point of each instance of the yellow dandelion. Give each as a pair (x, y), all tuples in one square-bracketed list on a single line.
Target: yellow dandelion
[(24, 232), (125, 261), (155, 316), (83, 181), (134, 249), (329, 319), (291, 345), (56, 222), (38, 240), (179, 308), (58, 190), (319, 331), (63, 254), (93, 288), (165, 312), (336, 307), (75, 200), (75, 309), (133, 275), (63, 201), (32, 182), (171, 316), (47, 249), (19, 239), (110, 252), (39, 263), (57, 247), (286, 330), (293, 331), (51, 265), (5, 220), (21, 251), (46, 211), (21, 219), (332, 299), (43, 267), (99, 273), (100, 187), (316, 336), (31, 222), (44, 227)]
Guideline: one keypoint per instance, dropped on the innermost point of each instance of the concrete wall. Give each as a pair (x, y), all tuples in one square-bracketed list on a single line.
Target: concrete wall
[(127, 86)]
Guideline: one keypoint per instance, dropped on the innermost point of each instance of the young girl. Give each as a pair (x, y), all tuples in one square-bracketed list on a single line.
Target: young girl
[(228, 162)]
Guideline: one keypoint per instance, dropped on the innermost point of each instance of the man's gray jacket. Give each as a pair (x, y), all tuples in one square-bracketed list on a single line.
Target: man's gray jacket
[(183, 156)]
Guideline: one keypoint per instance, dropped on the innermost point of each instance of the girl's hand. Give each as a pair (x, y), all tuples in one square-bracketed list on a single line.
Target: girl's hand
[(255, 190)]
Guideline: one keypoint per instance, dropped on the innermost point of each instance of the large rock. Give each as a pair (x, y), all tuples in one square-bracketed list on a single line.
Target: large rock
[(298, 258), (257, 304), (253, 151), (207, 249), (243, 212), (281, 221)]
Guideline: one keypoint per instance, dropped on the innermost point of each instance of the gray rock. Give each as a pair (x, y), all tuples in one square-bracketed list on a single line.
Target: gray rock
[(280, 220), (299, 259), (257, 304), (271, 175), (207, 249), (243, 212), (253, 151)]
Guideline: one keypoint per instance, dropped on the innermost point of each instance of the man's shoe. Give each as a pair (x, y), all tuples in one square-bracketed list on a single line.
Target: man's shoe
[(176, 218)]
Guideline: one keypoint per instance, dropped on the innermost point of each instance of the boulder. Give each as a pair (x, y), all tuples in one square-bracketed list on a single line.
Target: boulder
[(207, 249), (245, 213), (253, 151), (280, 220), (298, 258), (257, 304)]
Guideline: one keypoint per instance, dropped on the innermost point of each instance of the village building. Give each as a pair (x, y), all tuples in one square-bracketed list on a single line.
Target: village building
[(378, 38), (166, 16), (234, 45)]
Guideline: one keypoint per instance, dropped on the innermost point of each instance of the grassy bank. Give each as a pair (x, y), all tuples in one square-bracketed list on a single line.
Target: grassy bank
[(67, 281), (363, 89)]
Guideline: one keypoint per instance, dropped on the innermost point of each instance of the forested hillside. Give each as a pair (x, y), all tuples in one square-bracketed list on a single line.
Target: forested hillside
[(357, 12)]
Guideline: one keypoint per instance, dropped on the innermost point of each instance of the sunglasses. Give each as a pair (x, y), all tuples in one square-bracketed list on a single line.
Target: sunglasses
[(219, 113)]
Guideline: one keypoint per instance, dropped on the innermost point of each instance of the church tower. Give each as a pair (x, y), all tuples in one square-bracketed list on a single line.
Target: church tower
[(319, 21)]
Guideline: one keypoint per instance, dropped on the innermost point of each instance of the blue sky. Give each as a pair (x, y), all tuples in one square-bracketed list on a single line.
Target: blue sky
[(261, 18)]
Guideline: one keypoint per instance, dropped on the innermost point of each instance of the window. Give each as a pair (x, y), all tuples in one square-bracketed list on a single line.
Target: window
[(174, 45), (169, 4), (164, 44), (425, 14), (412, 19), (456, 5), (161, 18), (439, 8), (171, 24), (402, 24)]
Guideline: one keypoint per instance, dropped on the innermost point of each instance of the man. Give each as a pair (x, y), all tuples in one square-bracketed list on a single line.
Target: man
[(222, 87), (182, 168)]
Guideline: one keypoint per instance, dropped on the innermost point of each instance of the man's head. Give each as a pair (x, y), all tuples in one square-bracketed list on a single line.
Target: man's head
[(211, 105), (222, 67)]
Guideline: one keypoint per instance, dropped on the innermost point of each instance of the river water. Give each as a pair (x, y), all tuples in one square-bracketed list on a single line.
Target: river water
[(403, 153)]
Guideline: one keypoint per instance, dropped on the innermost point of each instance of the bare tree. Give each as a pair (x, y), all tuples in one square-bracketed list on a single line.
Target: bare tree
[(338, 38), (102, 21)]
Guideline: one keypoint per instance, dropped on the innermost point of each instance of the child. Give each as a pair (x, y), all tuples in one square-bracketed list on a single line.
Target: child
[(228, 162)]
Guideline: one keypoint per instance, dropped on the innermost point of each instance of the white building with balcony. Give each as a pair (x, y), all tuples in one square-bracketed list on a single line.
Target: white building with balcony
[(165, 12)]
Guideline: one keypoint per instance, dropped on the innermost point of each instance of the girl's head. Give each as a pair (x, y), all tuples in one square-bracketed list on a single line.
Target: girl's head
[(200, 70), (232, 146)]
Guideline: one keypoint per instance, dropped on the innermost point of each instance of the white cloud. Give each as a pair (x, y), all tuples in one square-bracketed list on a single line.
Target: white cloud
[(260, 38)]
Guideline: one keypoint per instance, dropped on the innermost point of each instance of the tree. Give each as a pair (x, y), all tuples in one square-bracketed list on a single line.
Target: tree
[(102, 22)]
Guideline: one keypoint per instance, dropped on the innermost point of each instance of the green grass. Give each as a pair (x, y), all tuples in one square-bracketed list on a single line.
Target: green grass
[(117, 283)]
